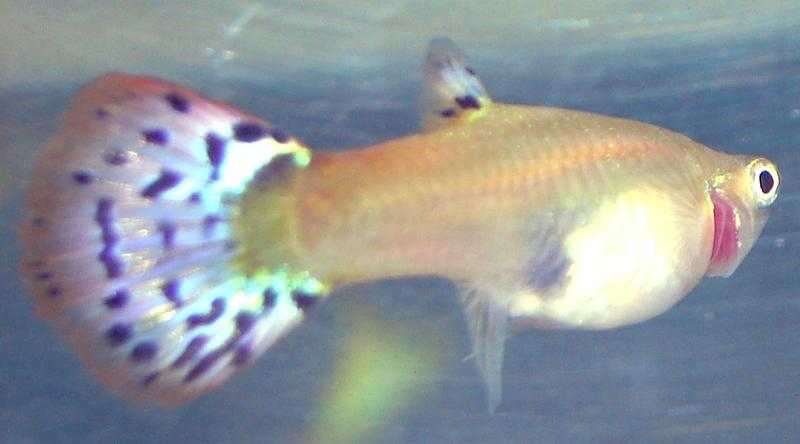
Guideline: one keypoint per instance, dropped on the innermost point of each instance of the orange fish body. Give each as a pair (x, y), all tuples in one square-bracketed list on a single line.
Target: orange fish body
[(227, 229), (489, 205)]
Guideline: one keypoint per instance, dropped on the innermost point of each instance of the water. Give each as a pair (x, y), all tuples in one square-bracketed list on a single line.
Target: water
[(719, 367)]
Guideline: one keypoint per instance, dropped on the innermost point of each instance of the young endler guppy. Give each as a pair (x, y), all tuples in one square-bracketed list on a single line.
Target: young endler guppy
[(172, 238)]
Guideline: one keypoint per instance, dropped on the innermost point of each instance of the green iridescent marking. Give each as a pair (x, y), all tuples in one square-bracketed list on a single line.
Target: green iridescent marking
[(265, 229)]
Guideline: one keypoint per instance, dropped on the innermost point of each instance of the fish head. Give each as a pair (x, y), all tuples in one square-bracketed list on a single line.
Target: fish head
[(741, 195)]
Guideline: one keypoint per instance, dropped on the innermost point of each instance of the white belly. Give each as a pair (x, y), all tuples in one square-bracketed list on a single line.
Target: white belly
[(635, 257)]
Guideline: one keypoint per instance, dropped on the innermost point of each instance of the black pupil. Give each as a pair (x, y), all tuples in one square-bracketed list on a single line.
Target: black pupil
[(766, 181)]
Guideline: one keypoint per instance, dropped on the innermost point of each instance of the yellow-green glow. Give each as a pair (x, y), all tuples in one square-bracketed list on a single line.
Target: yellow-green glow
[(720, 179), (302, 157), (380, 369), (265, 223)]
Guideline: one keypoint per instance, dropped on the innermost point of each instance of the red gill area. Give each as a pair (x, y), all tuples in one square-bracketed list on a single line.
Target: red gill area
[(726, 233)]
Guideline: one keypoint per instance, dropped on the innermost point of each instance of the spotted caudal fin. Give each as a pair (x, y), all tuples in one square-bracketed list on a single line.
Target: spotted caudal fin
[(128, 244), (452, 91)]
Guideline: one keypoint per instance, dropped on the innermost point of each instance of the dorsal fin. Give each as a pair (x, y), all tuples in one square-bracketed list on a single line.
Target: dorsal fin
[(452, 92)]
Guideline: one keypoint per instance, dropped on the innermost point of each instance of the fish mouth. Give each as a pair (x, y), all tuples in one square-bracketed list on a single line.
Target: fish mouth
[(727, 243)]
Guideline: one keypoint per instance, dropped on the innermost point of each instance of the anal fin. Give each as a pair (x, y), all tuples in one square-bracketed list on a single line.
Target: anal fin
[(488, 324)]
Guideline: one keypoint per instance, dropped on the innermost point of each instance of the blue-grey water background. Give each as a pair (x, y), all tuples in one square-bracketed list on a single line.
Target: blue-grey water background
[(722, 366)]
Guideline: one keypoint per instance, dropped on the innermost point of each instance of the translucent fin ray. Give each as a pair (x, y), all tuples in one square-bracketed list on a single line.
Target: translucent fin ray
[(488, 327), (128, 244)]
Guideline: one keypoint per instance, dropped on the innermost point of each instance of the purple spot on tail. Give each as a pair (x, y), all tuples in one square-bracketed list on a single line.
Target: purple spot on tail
[(101, 113), (164, 182), (449, 112), (118, 334), (217, 308), (158, 136), (110, 238), (242, 354), (103, 214), (279, 135), (116, 157), (195, 198), (304, 300), (103, 217), (210, 223), (111, 262), (82, 177), (244, 322), (38, 222), (171, 290), (149, 379), (143, 351), (215, 149), (202, 366), (54, 292), (168, 232), (43, 276), (192, 349), (249, 132), (177, 102), (118, 299), (270, 296)]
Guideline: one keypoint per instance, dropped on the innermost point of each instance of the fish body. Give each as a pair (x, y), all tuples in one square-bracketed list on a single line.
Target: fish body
[(173, 238), (533, 218)]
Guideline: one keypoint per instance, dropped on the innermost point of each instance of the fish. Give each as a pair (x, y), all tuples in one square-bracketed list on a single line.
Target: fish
[(172, 239)]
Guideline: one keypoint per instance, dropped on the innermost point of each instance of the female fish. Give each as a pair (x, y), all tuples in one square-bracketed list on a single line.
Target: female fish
[(172, 238)]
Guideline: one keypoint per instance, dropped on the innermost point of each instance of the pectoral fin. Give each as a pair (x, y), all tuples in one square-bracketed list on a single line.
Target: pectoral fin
[(452, 92)]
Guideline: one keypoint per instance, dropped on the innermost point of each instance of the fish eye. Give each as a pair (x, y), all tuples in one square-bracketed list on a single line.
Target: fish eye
[(765, 180)]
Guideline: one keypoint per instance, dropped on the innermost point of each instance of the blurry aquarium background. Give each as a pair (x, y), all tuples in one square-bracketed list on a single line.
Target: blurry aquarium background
[(384, 362)]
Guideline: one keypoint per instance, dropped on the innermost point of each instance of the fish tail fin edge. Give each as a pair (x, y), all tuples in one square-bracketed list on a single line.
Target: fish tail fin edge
[(129, 247)]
